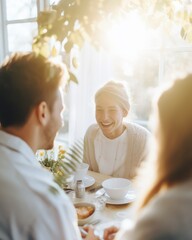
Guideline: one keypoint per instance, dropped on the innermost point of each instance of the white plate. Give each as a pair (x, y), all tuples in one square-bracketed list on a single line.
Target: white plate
[(130, 197), (88, 181)]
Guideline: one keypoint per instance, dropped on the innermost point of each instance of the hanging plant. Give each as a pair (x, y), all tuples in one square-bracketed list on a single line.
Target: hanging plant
[(68, 24), (72, 22)]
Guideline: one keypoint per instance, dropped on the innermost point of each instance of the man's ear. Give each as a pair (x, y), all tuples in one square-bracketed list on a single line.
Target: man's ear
[(43, 113)]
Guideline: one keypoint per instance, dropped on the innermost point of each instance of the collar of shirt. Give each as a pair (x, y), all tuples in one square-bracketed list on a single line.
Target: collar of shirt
[(18, 145)]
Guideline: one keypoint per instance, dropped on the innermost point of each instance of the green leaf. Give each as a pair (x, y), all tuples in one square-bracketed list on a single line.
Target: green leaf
[(75, 62), (68, 46), (73, 78), (46, 17), (73, 157), (183, 33), (76, 153)]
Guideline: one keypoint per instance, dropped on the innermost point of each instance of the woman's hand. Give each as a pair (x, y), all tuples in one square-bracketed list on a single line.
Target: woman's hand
[(90, 234), (109, 233)]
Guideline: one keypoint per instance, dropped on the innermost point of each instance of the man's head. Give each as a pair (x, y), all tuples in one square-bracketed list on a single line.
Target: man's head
[(28, 82)]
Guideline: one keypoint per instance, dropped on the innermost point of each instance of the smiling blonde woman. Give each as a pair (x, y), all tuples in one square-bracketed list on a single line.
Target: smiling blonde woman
[(113, 146)]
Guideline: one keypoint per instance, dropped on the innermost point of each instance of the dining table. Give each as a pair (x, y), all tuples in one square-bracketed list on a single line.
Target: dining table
[(107, 214)]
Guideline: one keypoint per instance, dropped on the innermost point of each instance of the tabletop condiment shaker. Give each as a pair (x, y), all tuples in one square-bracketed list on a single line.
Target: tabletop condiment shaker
[(79, 189)]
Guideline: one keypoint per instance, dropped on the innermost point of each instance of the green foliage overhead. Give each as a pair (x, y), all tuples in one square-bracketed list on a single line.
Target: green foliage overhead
[(75, 21), (72, 22)]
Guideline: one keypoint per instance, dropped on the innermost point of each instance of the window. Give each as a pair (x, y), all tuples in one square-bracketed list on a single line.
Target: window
[(19, 25), (164, 59)]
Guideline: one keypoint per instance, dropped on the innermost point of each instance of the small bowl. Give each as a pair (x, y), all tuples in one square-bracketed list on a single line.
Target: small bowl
[(85, 212), (116, 188)]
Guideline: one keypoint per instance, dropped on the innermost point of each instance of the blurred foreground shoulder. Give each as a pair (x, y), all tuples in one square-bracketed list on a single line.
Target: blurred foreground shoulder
[(168, 216)]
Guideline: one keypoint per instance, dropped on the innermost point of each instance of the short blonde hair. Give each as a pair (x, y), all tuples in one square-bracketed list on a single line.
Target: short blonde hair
[(118, 91)]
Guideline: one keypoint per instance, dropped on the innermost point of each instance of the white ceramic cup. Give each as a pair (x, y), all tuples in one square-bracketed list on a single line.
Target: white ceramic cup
[(81, 171), (116, 188)]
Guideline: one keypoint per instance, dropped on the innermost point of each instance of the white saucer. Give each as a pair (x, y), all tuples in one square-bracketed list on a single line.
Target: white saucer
[(88, 181), (129, 198)]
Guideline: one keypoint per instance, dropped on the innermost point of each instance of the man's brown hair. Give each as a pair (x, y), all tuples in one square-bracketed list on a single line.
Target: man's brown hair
[(26, 79)]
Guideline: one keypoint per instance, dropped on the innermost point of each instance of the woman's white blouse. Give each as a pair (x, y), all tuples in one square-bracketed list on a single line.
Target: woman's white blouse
[(110, 150)]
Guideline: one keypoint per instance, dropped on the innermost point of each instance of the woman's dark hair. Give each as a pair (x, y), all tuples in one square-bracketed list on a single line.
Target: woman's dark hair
[(26, 79)]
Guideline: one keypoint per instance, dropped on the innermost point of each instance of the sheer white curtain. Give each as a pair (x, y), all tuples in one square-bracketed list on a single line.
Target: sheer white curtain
[(95, 69)]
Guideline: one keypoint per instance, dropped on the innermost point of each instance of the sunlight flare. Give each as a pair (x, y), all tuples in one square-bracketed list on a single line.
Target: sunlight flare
[(127, 36)]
